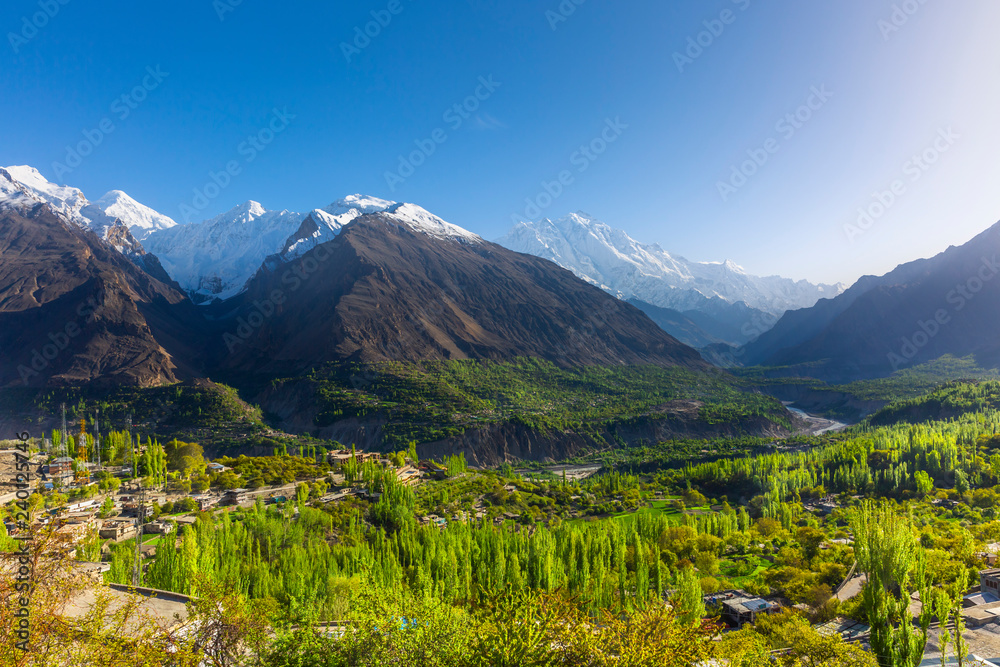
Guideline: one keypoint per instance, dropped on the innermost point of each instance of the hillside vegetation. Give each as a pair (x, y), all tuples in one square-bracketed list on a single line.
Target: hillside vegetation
[(430, 401)]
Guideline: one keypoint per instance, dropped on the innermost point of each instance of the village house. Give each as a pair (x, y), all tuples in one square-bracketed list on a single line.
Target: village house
[(989, 582), (433, 469), (61, 466), (236, 497), (82, 505), (206, 501), (342, 456), (739, 607), (117, 530), (75, 531), (408, 475), (158, 527)]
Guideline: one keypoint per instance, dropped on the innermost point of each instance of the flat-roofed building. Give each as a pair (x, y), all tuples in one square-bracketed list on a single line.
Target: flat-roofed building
[(989, 582), (236, 497), (158, 527), (206, 501), (117, 530), (739, 607)]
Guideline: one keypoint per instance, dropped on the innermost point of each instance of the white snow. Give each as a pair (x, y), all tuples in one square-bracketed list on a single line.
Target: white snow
[(359, 203), (611, 259), (421, 220), (26, 186), (141, 220), (217, 258)]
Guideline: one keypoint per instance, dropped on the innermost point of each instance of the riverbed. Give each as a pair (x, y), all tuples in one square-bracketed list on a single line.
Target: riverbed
[(817, 425)]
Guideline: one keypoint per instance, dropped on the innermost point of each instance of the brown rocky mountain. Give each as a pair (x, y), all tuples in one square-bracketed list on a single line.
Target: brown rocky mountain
[(73, 309), (383, 291)]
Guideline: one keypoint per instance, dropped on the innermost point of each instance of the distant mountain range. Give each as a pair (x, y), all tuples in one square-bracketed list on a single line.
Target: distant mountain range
[(366, 279), (27, 187), (920, 311), (215, 259), (362, 279), (609, 258), (701, 304)]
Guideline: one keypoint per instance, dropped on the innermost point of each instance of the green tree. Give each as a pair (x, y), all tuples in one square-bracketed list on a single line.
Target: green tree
[(924, 482), (107, 507), (688, 598), (810, 539), (888, 554)]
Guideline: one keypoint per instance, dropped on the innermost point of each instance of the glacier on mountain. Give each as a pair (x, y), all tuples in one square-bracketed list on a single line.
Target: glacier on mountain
[(609, 258), (216, 258)]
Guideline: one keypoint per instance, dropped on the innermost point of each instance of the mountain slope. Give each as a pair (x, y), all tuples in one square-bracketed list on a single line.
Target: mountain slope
[(611, 259), (384, 290), (141, 220), (949, 304), (73, 310), (215, 259), (24, 187), (677, 324)]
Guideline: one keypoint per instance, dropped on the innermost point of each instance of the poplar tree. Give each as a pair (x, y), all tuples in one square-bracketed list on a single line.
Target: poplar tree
[(688, 598), (888, 554)]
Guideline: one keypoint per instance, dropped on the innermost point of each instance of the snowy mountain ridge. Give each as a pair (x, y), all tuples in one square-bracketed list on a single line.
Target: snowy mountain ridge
[(141, 220), (24, 186), (213, 259), (216, 258), (611, 259)]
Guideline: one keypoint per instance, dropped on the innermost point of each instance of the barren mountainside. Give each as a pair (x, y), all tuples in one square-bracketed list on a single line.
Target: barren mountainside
[(73, 309), (948, 304), (382, 291)]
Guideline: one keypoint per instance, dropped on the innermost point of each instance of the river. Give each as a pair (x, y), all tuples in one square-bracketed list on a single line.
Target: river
[(817, 425)]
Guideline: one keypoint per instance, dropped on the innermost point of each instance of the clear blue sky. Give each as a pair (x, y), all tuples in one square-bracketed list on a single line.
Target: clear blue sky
[(892, 93)]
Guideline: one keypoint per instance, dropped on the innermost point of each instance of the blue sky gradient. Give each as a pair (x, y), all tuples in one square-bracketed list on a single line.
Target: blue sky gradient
[(559, 76)]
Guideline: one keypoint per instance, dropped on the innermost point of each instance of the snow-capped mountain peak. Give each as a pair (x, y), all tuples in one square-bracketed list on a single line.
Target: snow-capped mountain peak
[(26, 185), (413, 216), (247, 211), (613, 260), (216, 258), (421, 220), (108, 217), (362, 203), (140, 219)]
